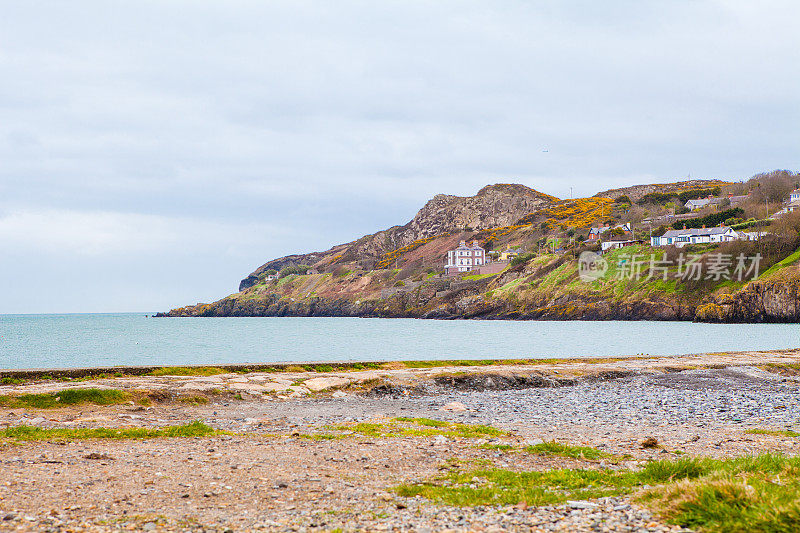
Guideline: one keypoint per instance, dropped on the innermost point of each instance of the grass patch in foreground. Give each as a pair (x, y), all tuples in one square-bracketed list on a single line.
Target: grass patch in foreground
[(508, 362), (565, 450), (496, 447), (775, 432), (746, 494), (30, 433), (416, 427), (188, 371), (506, 487), (64, 397)]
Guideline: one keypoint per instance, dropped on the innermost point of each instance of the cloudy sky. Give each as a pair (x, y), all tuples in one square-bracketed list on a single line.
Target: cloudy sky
[(153, 153)]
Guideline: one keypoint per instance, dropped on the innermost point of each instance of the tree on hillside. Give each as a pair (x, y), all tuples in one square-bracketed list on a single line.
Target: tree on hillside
[(623, 200), (772, 187), (659, 231), (788, 225)]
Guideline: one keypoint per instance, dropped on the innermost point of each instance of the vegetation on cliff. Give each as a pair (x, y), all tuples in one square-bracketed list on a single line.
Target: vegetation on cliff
[(399, 272)]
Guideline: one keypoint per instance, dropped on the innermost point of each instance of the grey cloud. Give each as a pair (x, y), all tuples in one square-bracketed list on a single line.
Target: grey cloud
[(338, 119)]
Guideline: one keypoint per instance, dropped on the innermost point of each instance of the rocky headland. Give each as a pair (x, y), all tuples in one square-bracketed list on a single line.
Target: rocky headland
[(398, 272)]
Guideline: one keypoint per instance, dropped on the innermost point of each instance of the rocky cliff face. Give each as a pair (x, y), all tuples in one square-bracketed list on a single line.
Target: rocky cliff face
[(776, 299), (493, 206)]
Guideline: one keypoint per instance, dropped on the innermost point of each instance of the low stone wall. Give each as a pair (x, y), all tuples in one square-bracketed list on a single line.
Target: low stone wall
[(492, 268)]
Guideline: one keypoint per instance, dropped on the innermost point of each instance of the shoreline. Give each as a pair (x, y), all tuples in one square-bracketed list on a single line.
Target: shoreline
[(340, 365), (418, 372)]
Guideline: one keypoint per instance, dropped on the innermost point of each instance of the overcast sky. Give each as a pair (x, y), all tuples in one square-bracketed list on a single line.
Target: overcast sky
[(153, 153)]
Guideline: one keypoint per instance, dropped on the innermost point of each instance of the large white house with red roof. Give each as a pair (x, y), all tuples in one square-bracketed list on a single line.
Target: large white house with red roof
[(465, 258)]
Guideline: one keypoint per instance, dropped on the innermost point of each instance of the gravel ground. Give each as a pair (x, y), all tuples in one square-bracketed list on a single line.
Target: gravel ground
[(255, 482)]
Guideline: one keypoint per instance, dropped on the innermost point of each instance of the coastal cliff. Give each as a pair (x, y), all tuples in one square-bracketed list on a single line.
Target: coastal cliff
[(397, 272)]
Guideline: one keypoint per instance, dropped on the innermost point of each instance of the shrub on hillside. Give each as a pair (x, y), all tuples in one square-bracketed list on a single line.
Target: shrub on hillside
[(714, 219), (296, 269), (522, 258)]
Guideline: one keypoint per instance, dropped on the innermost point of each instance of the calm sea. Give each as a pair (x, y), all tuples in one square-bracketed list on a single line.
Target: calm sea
[(81, 340)]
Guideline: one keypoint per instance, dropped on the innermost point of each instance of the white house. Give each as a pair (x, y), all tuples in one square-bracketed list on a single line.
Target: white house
[(464, 258), (617, 242), (752, 235), (697, 203), (791, 206), (682, 237), (794, 201)]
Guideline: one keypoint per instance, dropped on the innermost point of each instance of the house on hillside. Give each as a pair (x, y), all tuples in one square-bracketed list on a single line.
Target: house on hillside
[(464, 258), (697, 203), (794, 201), (509, 254), (792, 205), (682, 237), (618, 242), (753, 235), (736, 200), (271, 277), (596, 233)]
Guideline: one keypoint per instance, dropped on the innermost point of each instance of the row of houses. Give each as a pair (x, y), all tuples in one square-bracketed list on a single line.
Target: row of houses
[(790, 205), (682, 237)]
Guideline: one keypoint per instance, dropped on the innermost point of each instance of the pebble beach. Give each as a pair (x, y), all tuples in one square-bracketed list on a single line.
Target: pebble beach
[(271, 471)]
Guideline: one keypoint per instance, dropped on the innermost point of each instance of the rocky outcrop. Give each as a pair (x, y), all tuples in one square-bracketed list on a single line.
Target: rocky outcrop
[(772, 300), (493, 206)]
